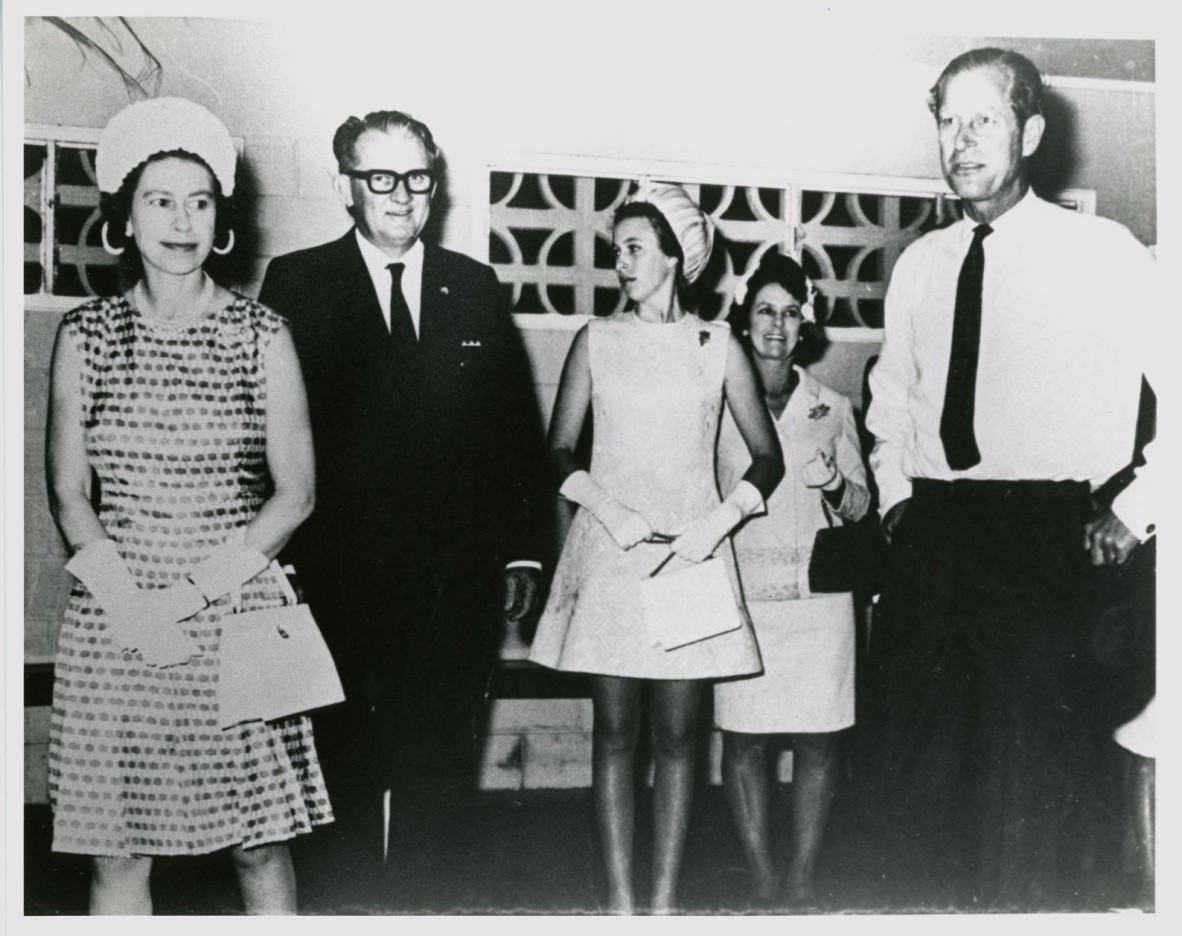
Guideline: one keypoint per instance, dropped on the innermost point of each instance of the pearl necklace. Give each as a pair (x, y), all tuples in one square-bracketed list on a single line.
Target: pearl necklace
[(182, 320)]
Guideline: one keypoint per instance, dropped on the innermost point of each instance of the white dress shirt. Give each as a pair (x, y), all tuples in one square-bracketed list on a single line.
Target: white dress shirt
[(1067, 302), (412, 277)]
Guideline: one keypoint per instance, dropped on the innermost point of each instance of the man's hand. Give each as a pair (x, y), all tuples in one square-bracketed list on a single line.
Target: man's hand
[(1108, 540), (523, 585), (892, 518)]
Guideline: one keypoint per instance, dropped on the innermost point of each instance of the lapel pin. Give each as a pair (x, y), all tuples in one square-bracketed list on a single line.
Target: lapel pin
[(445, 290)]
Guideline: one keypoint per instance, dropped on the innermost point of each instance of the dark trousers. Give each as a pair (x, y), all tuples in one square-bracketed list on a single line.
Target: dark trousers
[(981, 731), (415, 641)]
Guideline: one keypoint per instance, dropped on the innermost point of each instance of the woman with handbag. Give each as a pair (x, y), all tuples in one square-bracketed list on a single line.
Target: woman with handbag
[(655, 377), (184, 403), (806, 639)]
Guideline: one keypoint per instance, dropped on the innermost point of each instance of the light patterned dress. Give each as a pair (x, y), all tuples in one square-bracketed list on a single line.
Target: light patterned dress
[(174, 419), (807, 640), (656, 396)]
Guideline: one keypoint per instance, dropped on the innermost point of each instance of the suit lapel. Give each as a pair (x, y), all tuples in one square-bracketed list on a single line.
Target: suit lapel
[(435, 297), (363, 307)]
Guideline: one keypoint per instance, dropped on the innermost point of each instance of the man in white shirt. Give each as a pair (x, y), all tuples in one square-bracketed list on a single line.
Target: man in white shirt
[(429, 481), (1006, 391)]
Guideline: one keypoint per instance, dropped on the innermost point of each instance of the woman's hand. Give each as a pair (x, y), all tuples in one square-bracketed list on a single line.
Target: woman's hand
[(822, 471), (158, 642), (153, 628), (704, 535), (625, 525)]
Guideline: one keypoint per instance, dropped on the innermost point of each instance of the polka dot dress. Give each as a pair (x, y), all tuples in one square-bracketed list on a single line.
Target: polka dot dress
[(174, 417)]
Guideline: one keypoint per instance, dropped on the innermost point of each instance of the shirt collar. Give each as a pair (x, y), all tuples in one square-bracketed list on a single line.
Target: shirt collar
[(377, 262), (1027, 204)]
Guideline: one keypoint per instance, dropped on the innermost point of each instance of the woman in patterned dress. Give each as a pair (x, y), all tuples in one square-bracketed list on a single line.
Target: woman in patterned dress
[(655, 377), (185, 403), (807, 640)]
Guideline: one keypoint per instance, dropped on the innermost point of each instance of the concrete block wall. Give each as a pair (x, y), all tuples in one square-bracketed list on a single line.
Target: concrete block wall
[(537, 744)]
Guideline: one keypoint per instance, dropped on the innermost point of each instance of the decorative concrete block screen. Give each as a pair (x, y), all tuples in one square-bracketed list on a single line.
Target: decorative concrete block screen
[(550, 237)]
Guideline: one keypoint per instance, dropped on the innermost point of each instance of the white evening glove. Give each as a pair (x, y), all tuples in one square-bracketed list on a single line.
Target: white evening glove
[(228, 569), (701, 538), (625, 525), (822, 471), (142, 620)]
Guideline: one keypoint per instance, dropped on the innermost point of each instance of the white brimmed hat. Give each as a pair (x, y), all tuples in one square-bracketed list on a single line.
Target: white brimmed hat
[(159, 125), (693, 229)]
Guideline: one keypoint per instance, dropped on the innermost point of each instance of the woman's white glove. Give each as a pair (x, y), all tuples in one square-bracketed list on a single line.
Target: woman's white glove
[(702, 537), (228, 569), (625, 525), (822, 471), (143, 620)]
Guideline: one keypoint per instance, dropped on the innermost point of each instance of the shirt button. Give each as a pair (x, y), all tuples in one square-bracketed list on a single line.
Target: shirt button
[(1151, 528)]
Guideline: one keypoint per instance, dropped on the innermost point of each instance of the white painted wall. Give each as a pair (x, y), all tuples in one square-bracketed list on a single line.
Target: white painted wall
[(653, 87)]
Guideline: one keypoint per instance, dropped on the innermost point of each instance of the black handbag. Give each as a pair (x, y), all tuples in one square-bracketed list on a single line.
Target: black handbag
[(849, 557)]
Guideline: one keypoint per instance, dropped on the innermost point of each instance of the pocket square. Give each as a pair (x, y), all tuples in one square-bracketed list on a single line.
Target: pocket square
[(471, 344)]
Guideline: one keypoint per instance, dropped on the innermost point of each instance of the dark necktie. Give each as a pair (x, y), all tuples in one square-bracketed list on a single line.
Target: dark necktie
[(402, 328), (956, 422)]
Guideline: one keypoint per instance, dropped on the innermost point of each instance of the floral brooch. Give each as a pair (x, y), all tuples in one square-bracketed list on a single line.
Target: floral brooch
[(231, 335), (820, 411)]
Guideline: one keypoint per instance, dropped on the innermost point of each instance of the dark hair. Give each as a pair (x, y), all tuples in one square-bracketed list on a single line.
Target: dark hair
[(1024, 80), (666, 239), (344, 141), (787, 273), (116, 210)]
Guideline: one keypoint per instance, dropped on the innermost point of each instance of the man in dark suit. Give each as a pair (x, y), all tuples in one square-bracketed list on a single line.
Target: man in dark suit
[(428, 462)]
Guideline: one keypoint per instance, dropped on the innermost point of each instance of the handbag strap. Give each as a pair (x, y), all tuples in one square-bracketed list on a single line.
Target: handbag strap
[(280, 574)]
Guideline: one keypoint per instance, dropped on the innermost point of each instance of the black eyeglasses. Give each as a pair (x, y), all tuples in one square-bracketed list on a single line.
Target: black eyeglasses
[(384, 181)]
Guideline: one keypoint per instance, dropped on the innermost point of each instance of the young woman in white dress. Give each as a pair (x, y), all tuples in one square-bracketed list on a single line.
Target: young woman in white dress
[(656, 377)]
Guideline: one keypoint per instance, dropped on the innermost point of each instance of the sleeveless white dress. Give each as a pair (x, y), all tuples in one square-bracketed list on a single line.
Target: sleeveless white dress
[(657, 396), (807, 640)]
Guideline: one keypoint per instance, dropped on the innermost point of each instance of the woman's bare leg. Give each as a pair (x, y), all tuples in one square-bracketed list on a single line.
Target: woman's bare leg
[(745, 780), (613, 758), (675, 726), (814, 774), (266, 878), (119, 886)]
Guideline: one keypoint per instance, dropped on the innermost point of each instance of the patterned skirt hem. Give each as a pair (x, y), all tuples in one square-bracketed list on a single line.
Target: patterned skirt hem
[(73, 848)]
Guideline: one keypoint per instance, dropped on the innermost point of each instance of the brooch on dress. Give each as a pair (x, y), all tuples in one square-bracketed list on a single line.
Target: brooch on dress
[(820, 411), (231, 335), (703, 336)]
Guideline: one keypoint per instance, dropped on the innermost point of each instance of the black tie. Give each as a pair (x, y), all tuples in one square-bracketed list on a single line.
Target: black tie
[(956, 423), (402, 328)]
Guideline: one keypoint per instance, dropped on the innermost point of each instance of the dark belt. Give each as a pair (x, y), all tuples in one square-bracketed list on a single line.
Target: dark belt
[(969, 489)]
